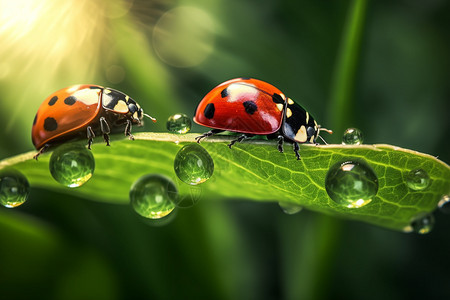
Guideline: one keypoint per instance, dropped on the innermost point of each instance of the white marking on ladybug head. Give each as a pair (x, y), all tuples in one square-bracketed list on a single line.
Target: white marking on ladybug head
[(280, 106), (307, 119), (290, 101), (288, 112), (301, 135), (121, 107)]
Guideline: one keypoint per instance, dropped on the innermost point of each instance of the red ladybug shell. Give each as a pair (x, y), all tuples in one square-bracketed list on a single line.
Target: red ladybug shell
[(242, 105), (65, 111)]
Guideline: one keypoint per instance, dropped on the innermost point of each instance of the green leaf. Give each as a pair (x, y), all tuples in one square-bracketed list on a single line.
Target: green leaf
[(255, 170)]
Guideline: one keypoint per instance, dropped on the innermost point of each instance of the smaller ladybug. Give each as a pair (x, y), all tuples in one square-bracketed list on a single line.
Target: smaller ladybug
[(84, 111), (254, 107)]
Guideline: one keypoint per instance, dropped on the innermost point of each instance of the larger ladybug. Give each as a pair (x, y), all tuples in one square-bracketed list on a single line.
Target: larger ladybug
[(254, 107), (83, 111)]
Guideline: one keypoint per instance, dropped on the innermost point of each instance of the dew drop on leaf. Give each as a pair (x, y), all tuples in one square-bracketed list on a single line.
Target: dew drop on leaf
[(179, 123), (289, 208), (14, 188), (444, 204), (352, 136), (193, 164), (72, 165), (152, 196), (423, 224), (418, 180), (351, 184)]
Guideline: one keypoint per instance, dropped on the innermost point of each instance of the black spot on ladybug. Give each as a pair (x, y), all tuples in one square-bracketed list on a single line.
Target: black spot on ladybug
[(92, 87), (50, 124), (209, 111), (34, 121), (70, 100), (250, 107), (224, 93), (246, 78), (277, 99), (53, 100)]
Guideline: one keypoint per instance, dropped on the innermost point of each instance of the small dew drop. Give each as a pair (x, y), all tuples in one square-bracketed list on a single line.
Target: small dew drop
[(289, 208), (72, 165), (352, 136), (351, 184), (179, 123), (444, 204), (14, 188), (417, 180), (193, 164), (152, 196), (423, 224)]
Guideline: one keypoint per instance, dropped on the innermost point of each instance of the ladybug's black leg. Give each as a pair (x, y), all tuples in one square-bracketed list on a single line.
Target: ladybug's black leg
[(280, 143), (296, 149), (206, 134), (42, 150), (90, 136), (239, 139), (128, 130), (104, 127)]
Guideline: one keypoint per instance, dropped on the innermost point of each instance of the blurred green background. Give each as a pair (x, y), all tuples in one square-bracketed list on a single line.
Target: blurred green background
[(392, 75)]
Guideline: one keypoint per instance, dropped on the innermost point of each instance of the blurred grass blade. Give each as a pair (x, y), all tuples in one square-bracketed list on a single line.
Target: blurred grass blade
[(343, 82)]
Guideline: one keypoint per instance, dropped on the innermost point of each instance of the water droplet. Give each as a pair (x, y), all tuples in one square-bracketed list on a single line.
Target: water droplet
[(14, 188), (351, 184), (444, 204), (193, 164), (72, 165), (164, 221), (423, 224), (179, 123), (290, 208), (417, 180), (352, 136), (152, 196)]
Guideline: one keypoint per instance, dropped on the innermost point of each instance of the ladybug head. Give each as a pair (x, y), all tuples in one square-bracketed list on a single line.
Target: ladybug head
[(137, 113)]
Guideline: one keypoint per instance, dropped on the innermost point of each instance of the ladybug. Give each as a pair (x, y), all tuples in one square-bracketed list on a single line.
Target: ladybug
[(254, 107), (83, 111)]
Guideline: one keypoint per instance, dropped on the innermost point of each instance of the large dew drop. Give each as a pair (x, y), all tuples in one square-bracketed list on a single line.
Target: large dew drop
[(153, 195), (14, 188), (351, 184), (193, 164), (418, 180), (179, 123), (352, 136), (72, 165)]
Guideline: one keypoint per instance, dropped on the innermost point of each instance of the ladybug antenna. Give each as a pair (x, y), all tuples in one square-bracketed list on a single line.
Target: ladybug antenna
[(150, 117), (326, 130), (323, 140)]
